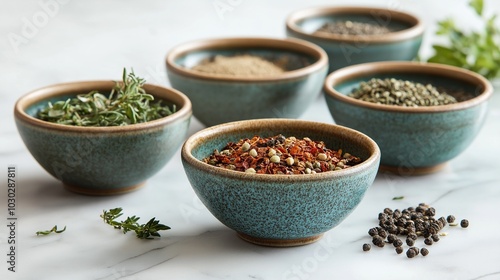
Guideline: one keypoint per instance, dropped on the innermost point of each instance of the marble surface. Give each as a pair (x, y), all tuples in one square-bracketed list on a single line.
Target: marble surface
[(52, 41)]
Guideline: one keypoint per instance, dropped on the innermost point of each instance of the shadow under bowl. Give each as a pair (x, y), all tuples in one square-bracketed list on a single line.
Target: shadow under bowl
[(412, 140), (101, 160), (280, 210)]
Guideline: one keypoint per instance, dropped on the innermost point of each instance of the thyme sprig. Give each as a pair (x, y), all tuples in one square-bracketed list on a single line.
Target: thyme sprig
[(476, 51), (127, 103), (144, 231), (52, 230)]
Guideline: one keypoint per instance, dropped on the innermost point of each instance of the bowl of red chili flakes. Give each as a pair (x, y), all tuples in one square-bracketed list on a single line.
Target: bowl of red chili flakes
[(280, 182)]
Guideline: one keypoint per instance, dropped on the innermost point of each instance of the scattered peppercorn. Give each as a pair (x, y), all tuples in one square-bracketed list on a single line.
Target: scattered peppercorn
[(412, 223), (366, 247), (450, 219), (424, 252), (464, 223), (399, 250), (411, 253)]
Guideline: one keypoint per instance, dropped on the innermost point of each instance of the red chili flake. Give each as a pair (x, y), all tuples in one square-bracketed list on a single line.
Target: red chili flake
[(280, 155)]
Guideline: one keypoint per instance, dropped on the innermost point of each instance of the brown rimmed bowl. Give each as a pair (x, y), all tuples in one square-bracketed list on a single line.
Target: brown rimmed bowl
[(223, 98), (412, 140), (280, 210), (101, 160), (402, 43)]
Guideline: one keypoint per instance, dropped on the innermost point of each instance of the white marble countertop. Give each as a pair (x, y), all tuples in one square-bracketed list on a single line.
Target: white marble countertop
[(51, 41)]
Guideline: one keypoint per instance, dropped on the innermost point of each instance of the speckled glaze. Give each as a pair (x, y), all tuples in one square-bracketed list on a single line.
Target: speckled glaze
[(101, 160), (280, 210), (412, 140), (345, 50), (221, 98)]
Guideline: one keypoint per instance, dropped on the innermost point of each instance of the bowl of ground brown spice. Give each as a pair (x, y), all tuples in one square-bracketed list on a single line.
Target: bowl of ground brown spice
[(280, 182), (353, 35), (233, 79), (420, 114)]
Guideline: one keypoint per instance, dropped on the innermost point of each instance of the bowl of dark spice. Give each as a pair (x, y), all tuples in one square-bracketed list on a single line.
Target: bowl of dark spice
[(353, 35), (233, 79), (421, 115), (103, 137), (280, 182)]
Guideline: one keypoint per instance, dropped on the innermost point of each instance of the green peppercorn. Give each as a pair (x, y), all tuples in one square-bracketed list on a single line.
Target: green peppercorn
[(464, 223), (366, 247)]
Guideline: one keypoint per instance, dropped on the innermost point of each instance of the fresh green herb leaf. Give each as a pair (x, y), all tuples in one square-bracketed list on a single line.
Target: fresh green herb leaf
[(52, 230), (144, 231), (475, 51), (127, 103), (398, 197)]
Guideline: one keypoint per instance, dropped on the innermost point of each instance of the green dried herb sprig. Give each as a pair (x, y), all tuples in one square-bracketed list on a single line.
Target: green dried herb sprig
[(144, 231), (128, 103), (476, 51), (52, 230)]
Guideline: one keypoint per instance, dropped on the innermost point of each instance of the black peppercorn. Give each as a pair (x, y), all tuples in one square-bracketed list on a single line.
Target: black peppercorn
[(412, 235), (366, 247), (410, 242), (450, 219), (464, 223), (417, 251), (397, 243), (378, 241), (430, 211), (373, 231), (399, 250), (435, 237), (410, 253), (382, 233), (424, 252), (428, 241), (391, 237)]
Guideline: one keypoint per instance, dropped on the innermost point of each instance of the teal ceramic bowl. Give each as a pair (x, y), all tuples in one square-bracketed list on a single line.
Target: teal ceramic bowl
[(101, 160), (412, 140), (223, 98), (280, 210), (402, 43)]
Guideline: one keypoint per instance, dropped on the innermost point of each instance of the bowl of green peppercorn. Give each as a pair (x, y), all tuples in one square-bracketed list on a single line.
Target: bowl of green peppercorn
[(420, 114), (352, 35), (103, 137)]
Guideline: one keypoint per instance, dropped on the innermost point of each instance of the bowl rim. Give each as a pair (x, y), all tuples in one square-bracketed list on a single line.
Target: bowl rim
[(196, 140), (65, 89), (417, 28), (289, 44), (387, 67)]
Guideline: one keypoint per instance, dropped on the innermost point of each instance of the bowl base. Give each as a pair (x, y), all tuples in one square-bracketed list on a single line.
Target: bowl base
[(280, 242), (102, 192), (414, 171)]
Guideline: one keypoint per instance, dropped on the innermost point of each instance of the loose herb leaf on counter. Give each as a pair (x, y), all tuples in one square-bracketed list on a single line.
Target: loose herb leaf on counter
[(144, 231), (398, 197), (474, 50), (52, 230), (127, 103)]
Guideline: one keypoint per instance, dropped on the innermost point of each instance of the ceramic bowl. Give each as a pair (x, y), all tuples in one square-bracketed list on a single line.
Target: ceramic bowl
[(280, 210), (101, 160), (223, 98), (402, 43), (412, 140)]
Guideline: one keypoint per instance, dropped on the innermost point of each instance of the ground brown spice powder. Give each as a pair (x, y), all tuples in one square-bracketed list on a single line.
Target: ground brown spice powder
[(241, 65)]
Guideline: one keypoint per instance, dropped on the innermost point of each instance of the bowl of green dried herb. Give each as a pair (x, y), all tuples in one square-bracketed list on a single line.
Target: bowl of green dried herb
[(280, 182), (233, 79), (420, 114), (353, 35), (103, 137)]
